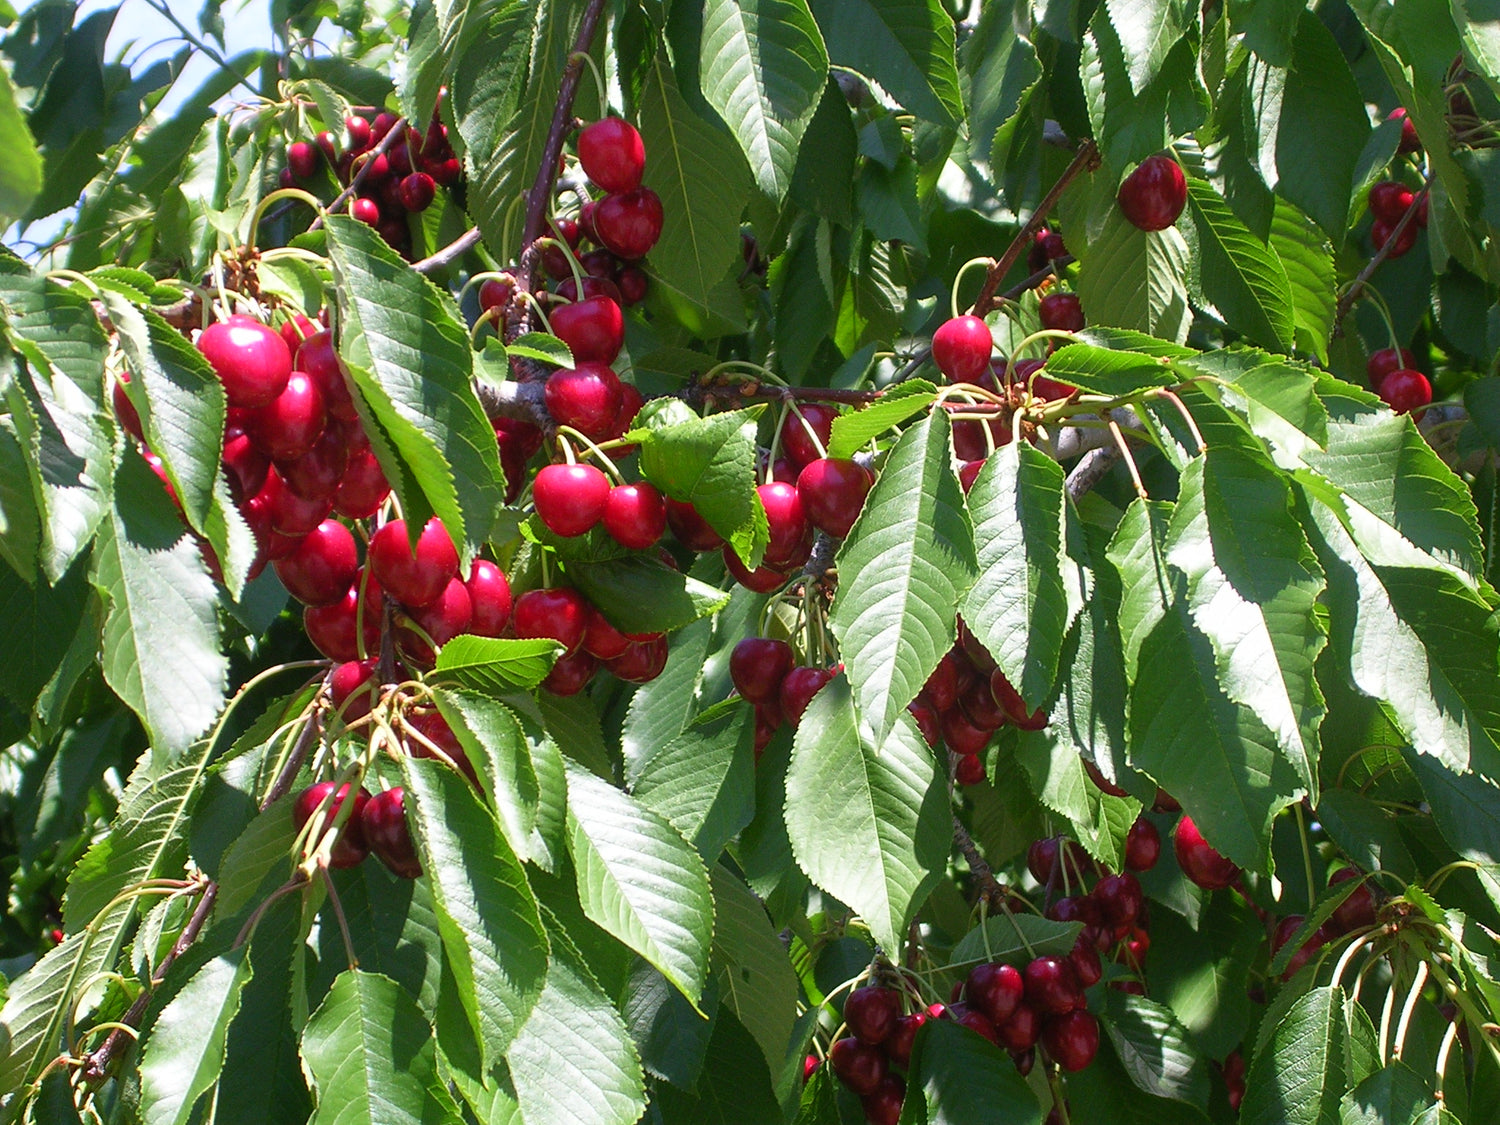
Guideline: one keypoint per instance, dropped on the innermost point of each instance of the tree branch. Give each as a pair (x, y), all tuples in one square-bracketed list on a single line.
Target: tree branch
[(450, 253), (1346, 302), (387, 142), (990, 888), (1095, 465)]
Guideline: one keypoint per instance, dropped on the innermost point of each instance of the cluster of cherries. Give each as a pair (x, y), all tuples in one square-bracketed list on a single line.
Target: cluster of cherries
[(765, 672), (1389, 202), (374, 824), (1394, 377), (403, 179)]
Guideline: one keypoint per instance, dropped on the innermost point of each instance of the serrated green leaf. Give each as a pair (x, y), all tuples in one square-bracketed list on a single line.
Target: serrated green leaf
[(1299, 1077), (184, 1051), (161, 635), (410, 363), (641, 594), (734, 1087), (905, 45), (21, 175), (496, 746), (661, 709), (495, 665), (640, 880), (1108, 372), (1396, 1093), (998, 67), (1012, 938), (1156, 1050), (1130, 278), (671, 1037), (20, 522), (854, 430), (1027, 592), (540, 346), (488, 917), (763, 68), (1103, 1091), (710, 463), (370, 1053), (1237, 273), (1205, 980), (903, 568), (962, 1078), (263, 847), (867, 820), (1148, 30), (40, 621), (1056, 775), (755, 979), (703, 781)]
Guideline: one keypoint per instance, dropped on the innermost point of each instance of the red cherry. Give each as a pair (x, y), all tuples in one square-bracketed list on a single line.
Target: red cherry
[(363, 487), (690, 528), (978, 705), (962, 736), (489, 597), (593, 329), (1357, 912), (318, 358), (899, 1043), (795, 439), (1062, 311), (586, 398), (317, 474), (592, 287), (602, 639), (1072, 1040), (969, 770), (1104, 784), (1405, 390), (286, 427), (366, 211), (1198, 859), (995, 989), (871, 1013), (320, 570), (832, 492), (287, 512), (1120, 898), (968, 473), (1014, 706), (418, 191), (1380, 234), (357, 132), (571, 673), (1046, 247), (790, 531), (570, 499), (758, 665), (1051, 985), (251, 360), (125, 411), (1084, 960), (441, 620), (612, 154), (1154, 194), (635, 515), (1142, 845), (350, 847), (798, 688), (559, 613), (633, 284), (495, 293), (1410, 142), (245, 466), (1019, 1033), (629, 223), (384, 821), (1234, 1079), (413, 578), (1285, 930), (976, 1021), (763, 579), (1389, 200), (641, 663), (883, 1107), (857, 1065), (327, 146), (1386, 360), (302, 159), (332, 628), (352, 688), (961, 348)]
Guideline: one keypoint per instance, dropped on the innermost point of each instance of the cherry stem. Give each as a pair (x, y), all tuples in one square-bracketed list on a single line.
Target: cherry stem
[(1346, 302), (959, 276), (594, 450), (1135, 472), (1307, 864), (387, 142), (1086, 159)]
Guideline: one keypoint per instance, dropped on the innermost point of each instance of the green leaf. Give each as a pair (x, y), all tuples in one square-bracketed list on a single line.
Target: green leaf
[(40, 621), (1307, 258), (1130, 278), (184, 1050), (905, 45), (755, 979), (369, 1051), (574, 1060), (998, 68), (1014, 939), (853, 431), (1054, 769), (21, 173), (640, 880), (1148, 30), (704, 184), (1156, 1050), (1465, 808), (1396, 1093), (672, 1038), (1103, 1091), (904, 566), (410, 363), (1130, 126), (661, 709), (161, 636), (802, 292), (20, 522), (1269, 26), (496, 746), (763, 68), (1108, 372), (1252, 587), (868, 820), (1205, 980), (1027, 593), (488, 917), (261, 848), (710, 463), (1237, 273), (540, 346), (964, 1079), (641, 594), (1299, 1077), (494, 665), (734, 1087), (703, 781)]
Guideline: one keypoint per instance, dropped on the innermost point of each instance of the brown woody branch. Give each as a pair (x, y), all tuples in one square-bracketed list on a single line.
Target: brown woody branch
[(990, 888), (397, 131)]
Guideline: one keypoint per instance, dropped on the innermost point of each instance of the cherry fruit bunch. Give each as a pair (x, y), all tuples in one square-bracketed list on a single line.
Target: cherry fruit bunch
[(394, 178)]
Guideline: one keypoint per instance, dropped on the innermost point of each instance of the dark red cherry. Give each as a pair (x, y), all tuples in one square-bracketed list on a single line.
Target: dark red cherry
[(1096, 775), (641, 662), (571, 673), (1142, 845), (570, 499), (593, 329), (833, 492), (363, 487), (559, 613), (757, 665), (635, 515), (629, 223), (1357, 912), (1046, 247), (1014, 706), (633, 284), (1198, 859), (245, 466), (969, 770), (286, 427), (1389, 200), (333, 629), (690, 528), (995, 989), (790, 531), (1405, 390), (961, 348), (287, 512), (798, 688), (418, 191), (857, 1065), (413, 578), (366, 211), (797, 442), (357, 133), (125, 411), (763, 579), (612, 154), (899, 1043), (352, 688), (1381, 232), (1072, 1040), (317, 474), (302, 159), (1386, 360), (962, 736), (979, 706), (1285, 930), (441, 620), (1019, 1033), (1154, 194), (322, 567), (384, 821), (1051, 986), (1062, 311), (1410, 142), (1084, 960), (871, 1013), (250, 359), (489, 598), (350, 847), (1120, 898), (586, 398)]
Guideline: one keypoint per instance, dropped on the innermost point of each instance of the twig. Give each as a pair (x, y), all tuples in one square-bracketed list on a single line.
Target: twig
[(450, 253), (397, 132), (1093, 468), (989, 887), (1086, 160), (1346, 302)]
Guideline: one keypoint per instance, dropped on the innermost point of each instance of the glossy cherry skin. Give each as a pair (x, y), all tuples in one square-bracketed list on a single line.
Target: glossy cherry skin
[(1142, 845), (1410, 142), (571, 673), (903, 1037), (357, 132), (641, 662), (1072, 1040), (125, 411), (366, 211), (979, 707), (352, 688), (289, 425), (430, 725), (883, 1107), (287, 512), (871, 1013), (1389, 200), (635, 515), (586, 398), (1051, 986), (1062, 311), (797, 443), (1198, 859), (559, 613), (857, 1065), (251, 359), (302, 159), (322, 567), (350, 848), (1153, 196), (758, 665), (1386, 360), (1120, 898), (317, 357), (1357, 912), (384, 821), (995, 989), (363, 487), (832, 492), (489, 598), (1047, 246), (629, 223), (413, 578), (1084, 961), (763, 579), (612, 154), (790, 531), (690, 528), (969, 770), (418, 191), (798, 688), (602, 639), (1405, 390), (960, 735), (633, 284), (593, 329), (441, 620), (961, 348), (332, 628), (1019, 1033), (1014, 706), (244, 465), (570, 499)]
